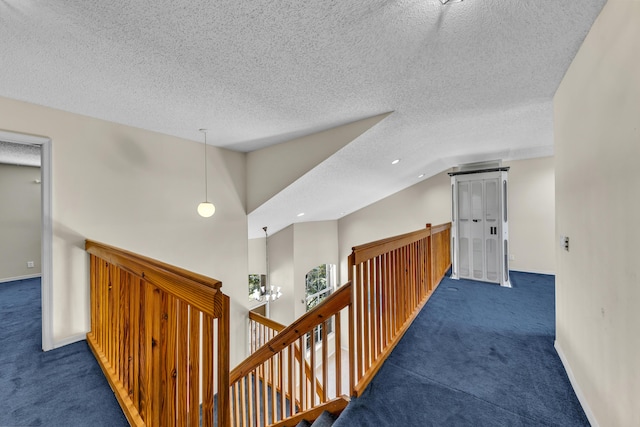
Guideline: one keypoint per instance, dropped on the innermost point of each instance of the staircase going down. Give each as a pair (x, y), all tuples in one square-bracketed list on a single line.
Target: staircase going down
[(161, 335), (324, 420)]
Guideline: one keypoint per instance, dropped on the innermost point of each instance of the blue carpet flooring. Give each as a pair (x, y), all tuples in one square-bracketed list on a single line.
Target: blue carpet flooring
[(62, 387), (477, 355)]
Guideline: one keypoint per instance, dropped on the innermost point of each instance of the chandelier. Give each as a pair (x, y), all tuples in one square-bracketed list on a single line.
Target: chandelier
[(264, 294)]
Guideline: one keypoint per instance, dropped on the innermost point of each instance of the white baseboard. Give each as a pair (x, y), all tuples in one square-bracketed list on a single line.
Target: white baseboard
[(581, 397), (13, 279), (519, 270), (70, 340)]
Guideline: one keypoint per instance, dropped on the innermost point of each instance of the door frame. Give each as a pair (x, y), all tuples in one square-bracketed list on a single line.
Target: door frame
[(503, 234), (47, 228)]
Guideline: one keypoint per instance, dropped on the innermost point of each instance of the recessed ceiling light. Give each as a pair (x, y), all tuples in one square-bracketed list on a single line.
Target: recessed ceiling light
[(421, 175), (395, 162), (301, 214)]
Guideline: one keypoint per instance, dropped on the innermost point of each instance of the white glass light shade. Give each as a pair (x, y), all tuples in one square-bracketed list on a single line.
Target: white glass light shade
[(206, 209)]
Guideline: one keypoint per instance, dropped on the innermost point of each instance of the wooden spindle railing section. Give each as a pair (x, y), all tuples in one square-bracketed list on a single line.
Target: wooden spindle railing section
[(392, 280), (263, 329), (273, 385), (161, 336)]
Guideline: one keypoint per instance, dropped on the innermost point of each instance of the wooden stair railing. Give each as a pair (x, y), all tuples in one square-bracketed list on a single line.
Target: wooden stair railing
[(272, 386), (392, 280), (146, 333), (161, 337), (262, 329)]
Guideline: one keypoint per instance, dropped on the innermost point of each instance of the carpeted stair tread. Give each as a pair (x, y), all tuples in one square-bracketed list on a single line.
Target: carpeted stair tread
[(324, 420)]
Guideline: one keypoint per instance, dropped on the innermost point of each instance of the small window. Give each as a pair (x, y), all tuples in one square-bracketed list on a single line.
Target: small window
[(319, 283), (255, 282)]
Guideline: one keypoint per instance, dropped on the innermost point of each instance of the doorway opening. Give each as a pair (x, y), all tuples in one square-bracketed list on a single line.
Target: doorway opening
[(47, 228)]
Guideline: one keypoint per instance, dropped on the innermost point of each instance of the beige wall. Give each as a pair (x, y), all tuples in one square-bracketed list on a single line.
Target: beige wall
[(294, 251), (407, 210), (531, 205), (257, 256), (20, 223), (282, 273), (271, 169), (597, 145), (531, 215), (137, 190), (316, 243)]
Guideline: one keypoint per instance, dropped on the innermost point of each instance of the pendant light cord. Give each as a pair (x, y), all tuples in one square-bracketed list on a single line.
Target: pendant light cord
[(266, 257), (206, 189)]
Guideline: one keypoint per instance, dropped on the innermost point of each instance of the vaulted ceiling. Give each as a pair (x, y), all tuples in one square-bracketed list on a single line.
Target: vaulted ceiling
[(465, 81)]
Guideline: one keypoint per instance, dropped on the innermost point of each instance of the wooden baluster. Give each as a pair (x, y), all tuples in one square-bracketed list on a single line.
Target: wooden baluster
[(146, 317), (272, 381), (291, 378), (265, 403), (256, 394), (352, 343), (312, 350), (224, 331), (387, 306), (379, 302), (170, 353), (281, 384), (325, 361), (155, 389), (207, 373), (182, 368), (303, 380), (373, 303), (235, 405), (194, 367), (431, 263), (338, 355), (109, 317), (122, 329), (126, 329), (242, 402), (135, 341)]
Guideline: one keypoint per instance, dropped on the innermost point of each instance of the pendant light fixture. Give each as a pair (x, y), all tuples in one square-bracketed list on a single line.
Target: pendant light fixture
[(206, 208), (267, 292)]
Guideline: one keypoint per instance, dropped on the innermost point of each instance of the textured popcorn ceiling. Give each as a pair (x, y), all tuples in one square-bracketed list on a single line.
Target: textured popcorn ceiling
[(467, 81), (19, 154)]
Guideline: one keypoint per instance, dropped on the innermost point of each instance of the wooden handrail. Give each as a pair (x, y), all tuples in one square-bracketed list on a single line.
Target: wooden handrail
[(269, 323), (280, 372), (379, 247), (153, 331), (147, 319), (331, 305), (390, 280), (195, 289), (278, 327)]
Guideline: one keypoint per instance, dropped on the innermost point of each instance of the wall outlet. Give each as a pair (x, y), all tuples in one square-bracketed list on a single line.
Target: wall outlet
[(30, 264), (512, 257)]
